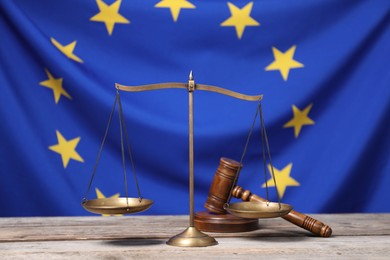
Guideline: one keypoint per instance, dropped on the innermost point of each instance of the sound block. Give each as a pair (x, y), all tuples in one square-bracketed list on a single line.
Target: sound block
[(223, 223)]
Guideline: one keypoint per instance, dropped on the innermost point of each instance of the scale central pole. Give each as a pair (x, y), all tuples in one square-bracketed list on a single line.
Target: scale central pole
[(191, 87), (191, 236)]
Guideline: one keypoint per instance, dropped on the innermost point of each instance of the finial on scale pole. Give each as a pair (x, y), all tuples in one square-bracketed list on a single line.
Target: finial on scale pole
[(191, 82)]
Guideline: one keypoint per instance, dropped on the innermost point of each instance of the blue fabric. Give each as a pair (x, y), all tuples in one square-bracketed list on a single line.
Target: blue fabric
[(340, 162)]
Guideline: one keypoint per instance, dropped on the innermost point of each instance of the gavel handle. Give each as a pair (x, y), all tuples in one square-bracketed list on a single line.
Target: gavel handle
[(295, 217)]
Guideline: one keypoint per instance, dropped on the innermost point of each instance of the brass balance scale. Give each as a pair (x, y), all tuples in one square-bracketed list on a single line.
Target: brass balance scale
[(191, 236)]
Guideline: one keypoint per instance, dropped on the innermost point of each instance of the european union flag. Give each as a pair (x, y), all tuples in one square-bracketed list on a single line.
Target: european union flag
[(322, 67)]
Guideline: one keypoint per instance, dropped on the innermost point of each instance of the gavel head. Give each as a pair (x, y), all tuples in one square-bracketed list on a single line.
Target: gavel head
[(222, 184)]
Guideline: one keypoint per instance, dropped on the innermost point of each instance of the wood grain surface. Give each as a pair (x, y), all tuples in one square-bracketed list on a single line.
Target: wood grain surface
[(355, 236)]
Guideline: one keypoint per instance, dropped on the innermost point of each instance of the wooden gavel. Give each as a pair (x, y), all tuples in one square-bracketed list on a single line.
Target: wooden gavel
[(225, 178)]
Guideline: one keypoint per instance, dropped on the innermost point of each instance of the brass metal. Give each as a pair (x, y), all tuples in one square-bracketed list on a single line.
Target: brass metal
[(191, 149), (228, 92), (190, 87), (112, 206), (151, 86), (192, 237), (255, 210), (191, 82)]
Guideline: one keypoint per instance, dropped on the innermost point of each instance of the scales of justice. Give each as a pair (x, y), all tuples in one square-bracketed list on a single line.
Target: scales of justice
[(221, 215)]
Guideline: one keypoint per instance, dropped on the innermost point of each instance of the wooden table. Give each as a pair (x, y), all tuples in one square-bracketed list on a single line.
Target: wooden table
[(355, 236)]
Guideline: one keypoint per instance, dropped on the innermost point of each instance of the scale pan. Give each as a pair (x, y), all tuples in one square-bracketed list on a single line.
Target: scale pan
[(113, 206), (250, 209)]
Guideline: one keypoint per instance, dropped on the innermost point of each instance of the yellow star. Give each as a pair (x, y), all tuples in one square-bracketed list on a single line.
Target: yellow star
[(67, 149), (109, 15), (175, 6), (284, 62), (67, 50), (283, 179), (240, 18), (100, 195), (55, 85), (300, 119)]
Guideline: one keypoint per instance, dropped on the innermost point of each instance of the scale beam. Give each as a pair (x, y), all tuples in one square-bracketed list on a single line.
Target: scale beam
[(203, 87), (151, 86)]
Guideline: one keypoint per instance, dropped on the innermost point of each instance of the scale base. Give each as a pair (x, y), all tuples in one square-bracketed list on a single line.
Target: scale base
[(192, 237)]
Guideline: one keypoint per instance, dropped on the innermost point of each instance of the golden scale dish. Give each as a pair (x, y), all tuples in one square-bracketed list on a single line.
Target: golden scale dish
[(113, 206), (253, 210), (191, 237)]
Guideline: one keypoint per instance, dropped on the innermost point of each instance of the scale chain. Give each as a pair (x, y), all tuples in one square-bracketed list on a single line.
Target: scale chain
[(122, 145), (123, 128), (122, 119), (100, 150), (242, 157), (265, 138), (265, 149)]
